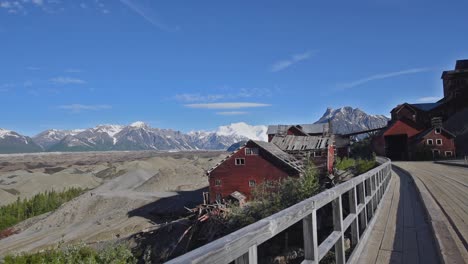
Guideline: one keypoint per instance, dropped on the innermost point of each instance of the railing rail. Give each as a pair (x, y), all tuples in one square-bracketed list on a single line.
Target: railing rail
[(365, 193)]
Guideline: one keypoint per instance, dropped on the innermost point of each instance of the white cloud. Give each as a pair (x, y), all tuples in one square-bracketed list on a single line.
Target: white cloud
[(380, 77), (73, 70), (67, 80), (148, 16), (227, 105), (283, 64), (37, 2), (76, 108), (198, 97), (231, 113), (428, 99), (241, 93)]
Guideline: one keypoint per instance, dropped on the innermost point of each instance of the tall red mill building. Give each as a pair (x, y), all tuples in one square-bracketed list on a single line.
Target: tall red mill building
[(423, 131), (285, 155)]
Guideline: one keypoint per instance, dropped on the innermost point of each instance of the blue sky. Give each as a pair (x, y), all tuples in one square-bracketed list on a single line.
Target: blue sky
[(191, 65)]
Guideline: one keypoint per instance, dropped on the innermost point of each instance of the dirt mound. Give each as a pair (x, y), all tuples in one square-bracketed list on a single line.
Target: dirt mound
[(119, 207)]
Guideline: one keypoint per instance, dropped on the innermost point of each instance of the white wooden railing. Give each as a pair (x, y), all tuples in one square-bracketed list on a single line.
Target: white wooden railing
[(365, 193)]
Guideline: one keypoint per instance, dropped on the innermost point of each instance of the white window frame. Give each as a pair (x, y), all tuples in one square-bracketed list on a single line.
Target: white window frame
[(239, 163), (438, 129), (441, 142), (251, 151), (217, 182), (430, 140), (449, 151), (252, 183)]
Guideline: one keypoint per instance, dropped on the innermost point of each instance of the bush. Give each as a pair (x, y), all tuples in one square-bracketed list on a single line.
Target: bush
[(41, 203), (272, 197), (344, 163), (71, 254), (359, 166)]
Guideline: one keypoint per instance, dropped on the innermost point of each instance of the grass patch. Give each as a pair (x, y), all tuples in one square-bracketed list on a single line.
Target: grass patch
[(80, 253)]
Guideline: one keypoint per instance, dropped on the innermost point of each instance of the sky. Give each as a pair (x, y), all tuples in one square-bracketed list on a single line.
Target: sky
[(196, 65)]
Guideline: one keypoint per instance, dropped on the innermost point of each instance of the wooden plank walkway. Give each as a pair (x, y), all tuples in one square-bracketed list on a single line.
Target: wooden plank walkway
[(444, 190), (402, 233)]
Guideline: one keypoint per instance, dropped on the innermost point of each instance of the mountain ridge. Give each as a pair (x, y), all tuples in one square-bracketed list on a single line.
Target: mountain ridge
[(140, 136)]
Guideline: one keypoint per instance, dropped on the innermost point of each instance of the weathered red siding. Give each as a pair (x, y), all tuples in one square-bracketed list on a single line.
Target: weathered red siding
[(448, 144), (236, 177)]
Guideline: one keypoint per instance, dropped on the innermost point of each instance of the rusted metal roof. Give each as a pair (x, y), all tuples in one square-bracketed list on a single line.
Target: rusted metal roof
[(279, 154), (301, 143), (307, 128)]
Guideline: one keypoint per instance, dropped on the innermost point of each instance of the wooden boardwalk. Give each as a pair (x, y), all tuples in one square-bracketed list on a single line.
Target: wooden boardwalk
[(401, 233), (444, 190)]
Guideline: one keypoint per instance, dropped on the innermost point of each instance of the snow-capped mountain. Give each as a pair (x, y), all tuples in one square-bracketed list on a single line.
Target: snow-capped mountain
[(347, 120), (12, 142), (140, 136), (50, 137)]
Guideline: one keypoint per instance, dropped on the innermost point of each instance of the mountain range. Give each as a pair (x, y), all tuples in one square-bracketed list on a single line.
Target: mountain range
[(140, 136)]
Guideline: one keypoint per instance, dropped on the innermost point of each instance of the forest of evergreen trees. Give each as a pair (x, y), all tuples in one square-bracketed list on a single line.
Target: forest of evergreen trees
[(40, 203)]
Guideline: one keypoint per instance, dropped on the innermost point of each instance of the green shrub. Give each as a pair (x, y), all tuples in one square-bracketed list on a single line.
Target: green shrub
[(272, 197), (40, 203), (80, 253), (344, 163)]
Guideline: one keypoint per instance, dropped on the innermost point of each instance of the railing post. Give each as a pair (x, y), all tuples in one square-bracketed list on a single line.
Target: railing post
[(353, 210), (338, 226), (253, 254), (310, 237), (362, 197)]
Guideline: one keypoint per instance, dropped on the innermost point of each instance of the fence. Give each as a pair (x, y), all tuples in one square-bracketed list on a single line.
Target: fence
[(365, 193)]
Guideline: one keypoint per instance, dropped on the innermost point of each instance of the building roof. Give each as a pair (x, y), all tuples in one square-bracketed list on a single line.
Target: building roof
[(307, 128), (279, 154), (273, 151), (426, 106), (461, 66), (292, 143), (238, 196)]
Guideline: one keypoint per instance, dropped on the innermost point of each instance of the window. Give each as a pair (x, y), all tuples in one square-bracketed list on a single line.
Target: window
[(448, 153), (240, 161), (218, 197), (317, 154), (217, 182), (437, 130), (252, 183), (439, 142), (251, 151), (430, 142)]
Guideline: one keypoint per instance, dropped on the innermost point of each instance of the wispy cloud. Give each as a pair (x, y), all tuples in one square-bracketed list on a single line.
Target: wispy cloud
[(241, 93), (73, 71), (147, 14), (231, 113), (67, 80), (283, 64), (381, 76), (77, 108), (227, 105), (428, 99), (32, 68)]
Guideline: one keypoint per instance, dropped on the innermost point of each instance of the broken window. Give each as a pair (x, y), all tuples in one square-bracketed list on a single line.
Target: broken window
[(252, 183), (251, 151), (240, 161)]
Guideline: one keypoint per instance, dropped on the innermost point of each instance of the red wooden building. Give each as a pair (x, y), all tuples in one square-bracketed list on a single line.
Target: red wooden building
[(417, 131), (252, 164)]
